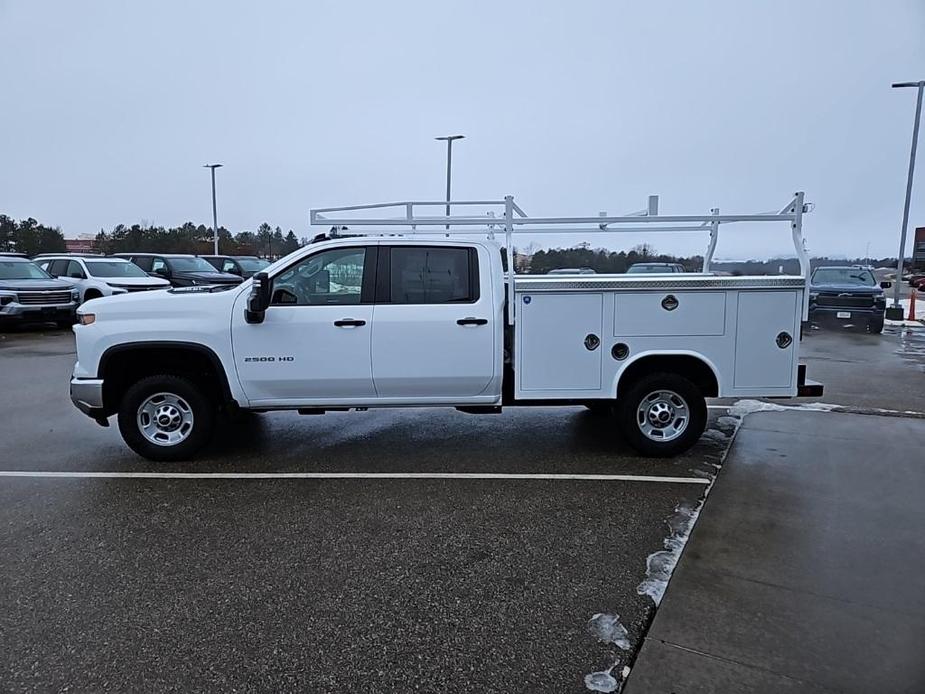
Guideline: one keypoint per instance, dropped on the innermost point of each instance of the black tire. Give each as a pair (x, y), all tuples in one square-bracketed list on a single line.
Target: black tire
[(600, 408), (201, 428), (875, 326), (628, 406)]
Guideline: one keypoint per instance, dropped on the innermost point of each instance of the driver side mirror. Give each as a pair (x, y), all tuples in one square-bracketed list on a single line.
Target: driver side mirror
[(886, 285), (259, 300), (162, 272)]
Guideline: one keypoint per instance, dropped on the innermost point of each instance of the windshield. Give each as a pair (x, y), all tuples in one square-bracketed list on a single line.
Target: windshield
[(253, 264), (114, 268), (189, 265), (844, 275), (21, 270)]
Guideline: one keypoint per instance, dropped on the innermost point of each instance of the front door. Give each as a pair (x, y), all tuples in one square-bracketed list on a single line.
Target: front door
[(313, 346), (434, 333)]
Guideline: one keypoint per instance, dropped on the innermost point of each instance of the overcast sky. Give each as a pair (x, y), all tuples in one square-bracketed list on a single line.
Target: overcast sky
[(109, 109)]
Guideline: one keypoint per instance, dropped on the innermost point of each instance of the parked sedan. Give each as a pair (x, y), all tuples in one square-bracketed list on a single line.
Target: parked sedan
[(28, 293), (96, 276), (241, 265), (180, 270)]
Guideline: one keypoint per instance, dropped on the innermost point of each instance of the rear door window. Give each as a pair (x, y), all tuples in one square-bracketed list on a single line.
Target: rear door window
[(57, 268), (429, 275), (74, 271), (144, 262)]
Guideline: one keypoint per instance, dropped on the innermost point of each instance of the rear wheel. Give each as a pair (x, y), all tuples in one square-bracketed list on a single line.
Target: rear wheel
[(166, 418), (662, 414)]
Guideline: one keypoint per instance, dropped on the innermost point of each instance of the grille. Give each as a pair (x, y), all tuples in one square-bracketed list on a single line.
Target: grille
[(44, 298), (845, 301)]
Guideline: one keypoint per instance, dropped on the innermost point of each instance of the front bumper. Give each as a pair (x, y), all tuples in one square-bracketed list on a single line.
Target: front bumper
[(87, 396), (14, 311), (819, 313)]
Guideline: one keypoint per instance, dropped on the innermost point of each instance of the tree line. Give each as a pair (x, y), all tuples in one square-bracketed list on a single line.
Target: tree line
[(192, 238), (30, 237), (615, 262)]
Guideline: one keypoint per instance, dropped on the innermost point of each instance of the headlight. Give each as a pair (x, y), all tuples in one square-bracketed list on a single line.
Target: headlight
[(813, 296), (7, 299), (86, 318), (75, 296)]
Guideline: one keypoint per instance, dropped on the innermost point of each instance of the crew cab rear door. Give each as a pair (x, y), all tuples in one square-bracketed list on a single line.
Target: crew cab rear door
[(435, 324)]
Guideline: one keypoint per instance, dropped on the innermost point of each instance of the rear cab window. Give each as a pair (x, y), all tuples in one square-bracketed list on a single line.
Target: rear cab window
[(427, 275)]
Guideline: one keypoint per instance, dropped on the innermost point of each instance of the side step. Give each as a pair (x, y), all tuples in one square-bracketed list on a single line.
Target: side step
[(480, 409)]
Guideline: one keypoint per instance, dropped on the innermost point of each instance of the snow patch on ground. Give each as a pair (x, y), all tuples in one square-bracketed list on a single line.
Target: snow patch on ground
[(607, 628), (747, 407), (602, 681), (659, 565)]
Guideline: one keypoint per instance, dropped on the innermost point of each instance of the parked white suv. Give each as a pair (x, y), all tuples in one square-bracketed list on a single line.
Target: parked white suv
[(96, 276)]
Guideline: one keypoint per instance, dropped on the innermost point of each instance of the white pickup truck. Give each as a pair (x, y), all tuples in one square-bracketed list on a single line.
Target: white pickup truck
[(412, 314)]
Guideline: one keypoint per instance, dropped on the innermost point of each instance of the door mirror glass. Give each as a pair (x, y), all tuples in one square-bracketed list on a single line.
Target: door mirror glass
[(259, 300), (886, 285)]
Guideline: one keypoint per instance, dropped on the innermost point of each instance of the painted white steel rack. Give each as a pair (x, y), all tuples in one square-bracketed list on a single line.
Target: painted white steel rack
[(504, 216)]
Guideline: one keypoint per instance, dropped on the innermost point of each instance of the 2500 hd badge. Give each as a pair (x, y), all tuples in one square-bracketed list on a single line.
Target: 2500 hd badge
[(268, 359)]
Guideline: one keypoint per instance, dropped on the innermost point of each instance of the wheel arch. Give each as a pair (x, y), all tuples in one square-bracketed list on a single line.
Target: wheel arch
[(121, 365), (692, 365)]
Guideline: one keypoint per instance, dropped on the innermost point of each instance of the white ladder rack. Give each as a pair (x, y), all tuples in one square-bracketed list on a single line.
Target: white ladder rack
[(505, 216)]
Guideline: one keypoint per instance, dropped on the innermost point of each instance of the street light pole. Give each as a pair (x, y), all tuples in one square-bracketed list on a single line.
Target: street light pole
[(915, 139), (449, 166), (214, 213)]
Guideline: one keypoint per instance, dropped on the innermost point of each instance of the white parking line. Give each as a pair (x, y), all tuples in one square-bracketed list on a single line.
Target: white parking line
[(350, 476)]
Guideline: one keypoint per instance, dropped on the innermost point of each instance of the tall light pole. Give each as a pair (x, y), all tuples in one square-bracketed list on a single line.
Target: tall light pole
[(449, 166), (214, 213), (902, 236)]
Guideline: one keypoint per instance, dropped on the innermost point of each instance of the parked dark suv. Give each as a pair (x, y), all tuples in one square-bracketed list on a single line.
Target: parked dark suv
[(180, 270), (847, 295), (241, 265)]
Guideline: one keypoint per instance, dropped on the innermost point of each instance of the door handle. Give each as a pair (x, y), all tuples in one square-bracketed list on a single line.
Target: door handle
[(349, 322), (472, 321)]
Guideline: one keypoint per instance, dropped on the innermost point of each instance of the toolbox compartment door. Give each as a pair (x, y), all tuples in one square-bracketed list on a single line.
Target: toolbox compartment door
[(764, 358), (554, 345)]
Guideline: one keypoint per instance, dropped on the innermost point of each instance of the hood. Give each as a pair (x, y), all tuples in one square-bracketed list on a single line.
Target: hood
[(203, 276), (34, 285), (852, 289)]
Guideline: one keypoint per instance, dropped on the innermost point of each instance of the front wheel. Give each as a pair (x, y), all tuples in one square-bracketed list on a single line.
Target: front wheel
[(875, 326), (662, 414), (166, 418)]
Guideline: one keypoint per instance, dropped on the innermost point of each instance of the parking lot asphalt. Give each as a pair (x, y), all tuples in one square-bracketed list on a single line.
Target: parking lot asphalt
[(345, 585), (321, 585)]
